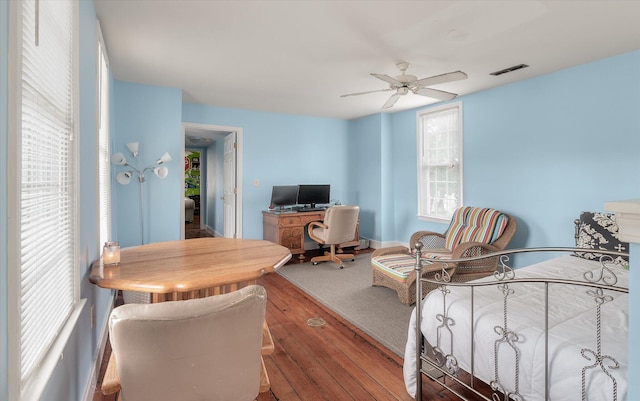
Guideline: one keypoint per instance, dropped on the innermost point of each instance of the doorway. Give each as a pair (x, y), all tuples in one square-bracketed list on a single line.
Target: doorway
[(220, 201)]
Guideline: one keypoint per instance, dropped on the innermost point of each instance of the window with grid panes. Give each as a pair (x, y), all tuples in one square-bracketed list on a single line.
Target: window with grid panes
[(439, 161)]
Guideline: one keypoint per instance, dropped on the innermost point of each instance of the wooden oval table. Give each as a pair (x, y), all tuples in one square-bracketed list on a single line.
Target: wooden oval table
[(186, 269), (194, 268)]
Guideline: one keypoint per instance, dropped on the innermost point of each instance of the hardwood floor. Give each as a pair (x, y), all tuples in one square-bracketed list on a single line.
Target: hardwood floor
[(333, 362), (192, 229)]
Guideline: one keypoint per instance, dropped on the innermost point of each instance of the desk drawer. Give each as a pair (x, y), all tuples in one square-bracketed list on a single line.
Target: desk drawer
[(309, 217), (290, 221)]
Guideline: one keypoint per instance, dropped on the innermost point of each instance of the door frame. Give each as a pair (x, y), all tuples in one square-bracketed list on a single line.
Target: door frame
[(221, 131)]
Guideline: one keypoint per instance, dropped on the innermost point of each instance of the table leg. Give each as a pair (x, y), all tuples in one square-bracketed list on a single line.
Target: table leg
[(267, 348)]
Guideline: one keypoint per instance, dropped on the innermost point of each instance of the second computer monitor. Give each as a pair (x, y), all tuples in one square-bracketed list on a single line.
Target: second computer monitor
[(283, 195), (313, 194)]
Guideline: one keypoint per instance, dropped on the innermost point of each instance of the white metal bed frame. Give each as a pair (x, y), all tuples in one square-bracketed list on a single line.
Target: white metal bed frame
[(445, 365)]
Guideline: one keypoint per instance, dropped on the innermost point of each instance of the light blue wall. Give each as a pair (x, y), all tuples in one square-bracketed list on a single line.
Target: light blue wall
[(150, 115), (281, 149), (543, 149), (365, 173), (387, 197)]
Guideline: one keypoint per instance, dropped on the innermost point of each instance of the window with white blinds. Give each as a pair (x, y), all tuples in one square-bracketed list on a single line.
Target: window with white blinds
[(440, 161), (104, 165), (45, 300)]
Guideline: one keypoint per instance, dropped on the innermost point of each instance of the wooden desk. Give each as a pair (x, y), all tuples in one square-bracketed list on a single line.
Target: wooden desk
[(187, 269), (288, 230)]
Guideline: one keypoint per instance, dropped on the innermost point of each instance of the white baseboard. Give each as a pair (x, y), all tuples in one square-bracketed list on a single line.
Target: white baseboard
[(211, 231), (377, 244), (95, 369), (308, 245)]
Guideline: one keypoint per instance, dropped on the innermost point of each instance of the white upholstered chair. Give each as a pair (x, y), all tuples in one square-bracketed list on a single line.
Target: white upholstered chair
[(339, 225), (199, 349)]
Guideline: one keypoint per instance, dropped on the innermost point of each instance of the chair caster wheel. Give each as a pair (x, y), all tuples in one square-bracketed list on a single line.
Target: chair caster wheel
[(341, 266), (314, 263), (353, 260)]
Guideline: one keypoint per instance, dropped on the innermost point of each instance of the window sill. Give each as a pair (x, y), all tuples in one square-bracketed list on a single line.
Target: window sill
[(441, 220), (37, 383)]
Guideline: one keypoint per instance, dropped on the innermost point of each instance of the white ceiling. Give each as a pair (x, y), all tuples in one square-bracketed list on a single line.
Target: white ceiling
[(298, 57)]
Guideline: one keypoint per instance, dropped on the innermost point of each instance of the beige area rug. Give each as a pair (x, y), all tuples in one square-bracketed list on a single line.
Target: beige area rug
[(374, 310)]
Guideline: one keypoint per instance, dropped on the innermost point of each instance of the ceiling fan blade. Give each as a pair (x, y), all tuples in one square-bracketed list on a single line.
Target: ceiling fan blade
[(392, 100), (388, 79), (434, 93), (364, 93), (441, 79)]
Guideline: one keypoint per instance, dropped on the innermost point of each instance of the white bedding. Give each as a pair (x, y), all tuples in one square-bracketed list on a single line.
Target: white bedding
[(572, 324)]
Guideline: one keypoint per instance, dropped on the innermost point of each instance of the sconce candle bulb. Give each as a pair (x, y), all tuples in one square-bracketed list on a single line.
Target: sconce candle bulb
[(165, 158), (133, 148)]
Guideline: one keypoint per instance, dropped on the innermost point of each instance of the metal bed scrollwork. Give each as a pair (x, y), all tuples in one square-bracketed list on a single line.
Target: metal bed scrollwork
[(514, 358)]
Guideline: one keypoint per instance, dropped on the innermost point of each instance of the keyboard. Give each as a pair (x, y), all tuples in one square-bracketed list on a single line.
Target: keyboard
[(311, 209)]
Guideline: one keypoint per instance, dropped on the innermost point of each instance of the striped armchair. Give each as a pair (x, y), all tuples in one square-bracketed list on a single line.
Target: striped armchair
[(473, 231)]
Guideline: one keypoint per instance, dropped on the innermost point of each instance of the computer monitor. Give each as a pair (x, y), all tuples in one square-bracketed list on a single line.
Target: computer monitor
[(283, 195), (313, 194)]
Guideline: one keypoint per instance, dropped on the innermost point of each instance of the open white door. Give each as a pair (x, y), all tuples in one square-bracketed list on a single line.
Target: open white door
[(230, 197)]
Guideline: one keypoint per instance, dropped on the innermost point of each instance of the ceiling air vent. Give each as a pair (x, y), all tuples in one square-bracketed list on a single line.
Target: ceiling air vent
[(510, 69)]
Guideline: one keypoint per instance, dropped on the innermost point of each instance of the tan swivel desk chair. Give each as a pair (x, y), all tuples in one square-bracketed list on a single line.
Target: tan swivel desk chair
[(338, 226)]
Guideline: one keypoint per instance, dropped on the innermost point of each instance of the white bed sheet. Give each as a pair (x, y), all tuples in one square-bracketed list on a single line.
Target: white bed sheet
[(572, 322)]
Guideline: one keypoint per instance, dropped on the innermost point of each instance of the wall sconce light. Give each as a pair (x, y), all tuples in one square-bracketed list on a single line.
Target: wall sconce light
[(124, 177)]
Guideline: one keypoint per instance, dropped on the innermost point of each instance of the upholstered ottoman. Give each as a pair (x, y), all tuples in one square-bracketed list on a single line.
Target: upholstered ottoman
[(397, 271)]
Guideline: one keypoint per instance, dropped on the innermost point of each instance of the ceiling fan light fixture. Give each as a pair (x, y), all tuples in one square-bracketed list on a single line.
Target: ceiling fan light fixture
[(404, 83)]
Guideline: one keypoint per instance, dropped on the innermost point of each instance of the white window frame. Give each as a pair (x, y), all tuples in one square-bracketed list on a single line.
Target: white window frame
[(439, 207), (30, 386), (104, 142)]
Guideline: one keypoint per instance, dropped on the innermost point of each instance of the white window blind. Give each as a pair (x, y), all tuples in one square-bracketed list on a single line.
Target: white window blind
[(46, 184), (104, 165), (440, 161)]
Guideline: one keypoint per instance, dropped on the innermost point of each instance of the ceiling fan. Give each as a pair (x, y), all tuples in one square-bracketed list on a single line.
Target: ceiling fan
[(404, 83)]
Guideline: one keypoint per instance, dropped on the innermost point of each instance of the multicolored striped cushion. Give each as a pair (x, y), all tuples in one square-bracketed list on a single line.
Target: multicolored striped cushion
[(474, 224), (395, 266), (399, 266)]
